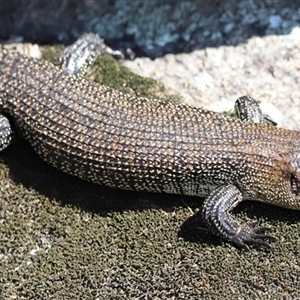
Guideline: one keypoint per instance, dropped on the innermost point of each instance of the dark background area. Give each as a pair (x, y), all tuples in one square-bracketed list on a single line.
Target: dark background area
[(151, 28)]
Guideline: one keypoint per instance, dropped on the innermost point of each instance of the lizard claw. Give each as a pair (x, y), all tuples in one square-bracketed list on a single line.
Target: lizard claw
[(250, 234)]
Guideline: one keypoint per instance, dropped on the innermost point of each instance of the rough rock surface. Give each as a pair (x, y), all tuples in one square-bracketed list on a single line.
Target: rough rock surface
[(267, 68)]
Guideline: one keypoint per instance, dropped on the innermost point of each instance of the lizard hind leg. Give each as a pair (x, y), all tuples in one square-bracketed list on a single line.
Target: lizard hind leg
[(215, 213), (78, 57)]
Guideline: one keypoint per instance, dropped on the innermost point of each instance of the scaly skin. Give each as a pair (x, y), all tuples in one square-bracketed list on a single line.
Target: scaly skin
[(107, 137)]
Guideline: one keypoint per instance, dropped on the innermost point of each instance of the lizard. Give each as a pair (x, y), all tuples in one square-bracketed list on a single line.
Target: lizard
[(102, 135)]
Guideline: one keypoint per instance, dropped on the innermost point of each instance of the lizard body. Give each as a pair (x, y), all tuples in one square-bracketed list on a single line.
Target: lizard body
[(107, 137)]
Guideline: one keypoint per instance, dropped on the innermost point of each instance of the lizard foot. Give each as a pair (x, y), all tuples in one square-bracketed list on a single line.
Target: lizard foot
[(250, 234)]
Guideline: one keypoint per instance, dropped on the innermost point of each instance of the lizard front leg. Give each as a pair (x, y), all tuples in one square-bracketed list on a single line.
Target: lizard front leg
[(7, 134), (248, 109), (216, 213)]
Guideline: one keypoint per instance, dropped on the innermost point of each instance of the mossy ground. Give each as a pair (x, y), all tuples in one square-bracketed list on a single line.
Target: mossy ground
[(63, 238)]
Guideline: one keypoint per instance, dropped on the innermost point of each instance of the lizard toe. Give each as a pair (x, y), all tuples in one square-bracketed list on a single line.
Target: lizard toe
[(250, 234)]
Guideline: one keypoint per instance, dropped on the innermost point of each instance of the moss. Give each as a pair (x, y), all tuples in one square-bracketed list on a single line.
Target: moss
[(51, 53)]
